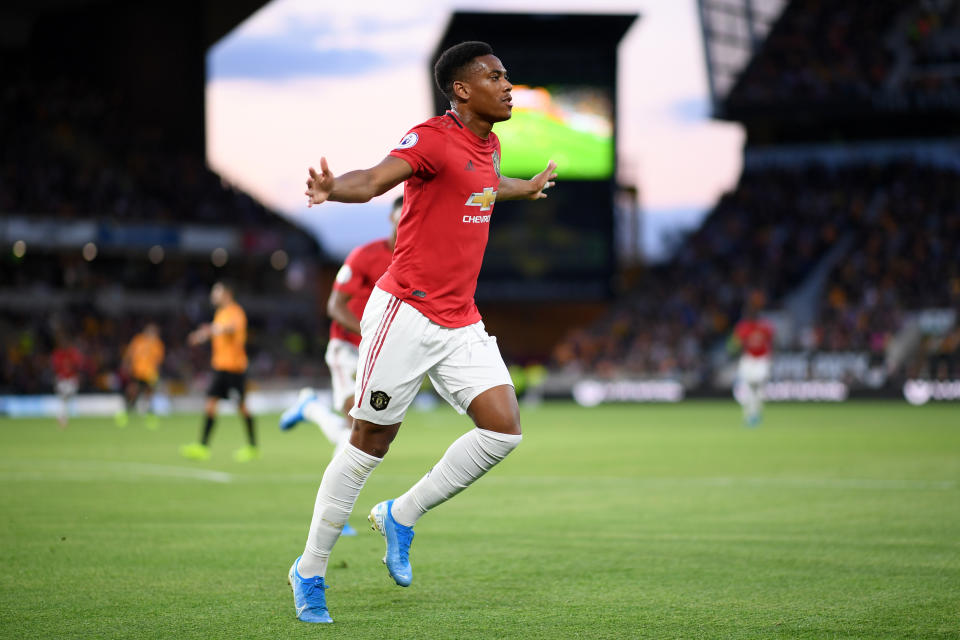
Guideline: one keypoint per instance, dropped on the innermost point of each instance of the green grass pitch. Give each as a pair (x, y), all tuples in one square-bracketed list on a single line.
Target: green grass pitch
[(615, 522)]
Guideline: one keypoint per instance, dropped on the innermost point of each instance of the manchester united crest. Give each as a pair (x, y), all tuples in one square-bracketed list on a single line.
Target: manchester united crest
[(379, 400), (496, 162)]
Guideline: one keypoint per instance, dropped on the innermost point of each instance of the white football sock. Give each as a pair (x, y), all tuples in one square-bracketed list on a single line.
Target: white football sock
[(757, 404), (341, 484), (333, 425), (752, 400), (472, 455)]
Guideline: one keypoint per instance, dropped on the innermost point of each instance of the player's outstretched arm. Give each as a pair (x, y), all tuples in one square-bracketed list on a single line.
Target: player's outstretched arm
[(199, 335), (532, 189), (355, 186)]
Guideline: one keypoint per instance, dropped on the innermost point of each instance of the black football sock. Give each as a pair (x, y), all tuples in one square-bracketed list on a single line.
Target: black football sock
[(207, 430), (251, 435)]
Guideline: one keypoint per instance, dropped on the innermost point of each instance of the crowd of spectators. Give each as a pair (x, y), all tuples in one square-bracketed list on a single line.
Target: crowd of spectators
[(905, 257), (39, 272), (901, 221), (933, 38), (69, 150), (854, 53)]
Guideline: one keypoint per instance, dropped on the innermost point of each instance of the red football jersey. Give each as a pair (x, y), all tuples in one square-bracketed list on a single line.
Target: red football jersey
[(356, 278), (66, 362), (756, 336), (447, 204)]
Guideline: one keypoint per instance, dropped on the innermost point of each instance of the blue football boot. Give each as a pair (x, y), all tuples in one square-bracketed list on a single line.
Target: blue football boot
[(309, 598), (294, 415), (398, 539)]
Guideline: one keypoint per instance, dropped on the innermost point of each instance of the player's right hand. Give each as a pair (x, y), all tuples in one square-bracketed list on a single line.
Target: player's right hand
[(319, 185)]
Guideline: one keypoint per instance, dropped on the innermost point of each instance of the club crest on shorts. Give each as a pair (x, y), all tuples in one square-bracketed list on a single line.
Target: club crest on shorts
[(379, 400)]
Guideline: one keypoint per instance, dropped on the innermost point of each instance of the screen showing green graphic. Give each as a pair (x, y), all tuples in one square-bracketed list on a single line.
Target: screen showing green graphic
[(573, 125)]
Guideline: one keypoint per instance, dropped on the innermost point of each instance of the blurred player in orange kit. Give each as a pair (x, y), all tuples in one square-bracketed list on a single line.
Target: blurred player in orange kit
[(142, 359), (754, 336), (67, 362), (228, 336)]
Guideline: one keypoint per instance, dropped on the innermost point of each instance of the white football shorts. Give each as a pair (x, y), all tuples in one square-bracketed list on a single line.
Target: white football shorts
[(753, 369), (341, 358), (67, 386), (400, 346)]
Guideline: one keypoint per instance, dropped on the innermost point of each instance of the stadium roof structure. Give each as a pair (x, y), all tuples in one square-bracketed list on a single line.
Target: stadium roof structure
[(733, 31), (219, 17), (804, 71), (149, 58), (155, 53)]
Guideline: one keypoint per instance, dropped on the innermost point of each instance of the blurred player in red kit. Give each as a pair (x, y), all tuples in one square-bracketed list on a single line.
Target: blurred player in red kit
[(421, 318), (754, 336), (67, 362), (351, 289)]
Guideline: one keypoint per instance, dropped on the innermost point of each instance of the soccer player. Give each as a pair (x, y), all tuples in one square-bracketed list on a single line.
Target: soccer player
[(142, 358), (67, 363), (421, 319), (228, 337), (351, 290), (754, 337)]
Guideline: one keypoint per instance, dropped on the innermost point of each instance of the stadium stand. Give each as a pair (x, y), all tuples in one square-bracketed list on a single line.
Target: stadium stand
[(763, 239), (75, 168), (70, 152), (886, 54), (846, 236)]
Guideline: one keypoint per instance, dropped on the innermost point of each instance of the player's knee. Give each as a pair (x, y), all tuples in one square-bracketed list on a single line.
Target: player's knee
[(507, 423), (496, 410), (373, 439), (506, 420)]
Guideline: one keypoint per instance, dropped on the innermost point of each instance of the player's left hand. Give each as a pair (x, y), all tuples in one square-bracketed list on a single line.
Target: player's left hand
[(543, 181)]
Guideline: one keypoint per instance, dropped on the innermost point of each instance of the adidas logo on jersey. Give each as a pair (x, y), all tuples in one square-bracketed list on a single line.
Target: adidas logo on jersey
[(469, 166)]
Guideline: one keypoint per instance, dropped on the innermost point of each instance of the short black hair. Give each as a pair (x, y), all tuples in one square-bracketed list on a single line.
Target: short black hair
[(397, 203), (453, 60)]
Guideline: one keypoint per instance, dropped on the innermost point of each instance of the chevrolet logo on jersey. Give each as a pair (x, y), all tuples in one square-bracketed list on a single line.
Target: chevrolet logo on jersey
[(483, 200)]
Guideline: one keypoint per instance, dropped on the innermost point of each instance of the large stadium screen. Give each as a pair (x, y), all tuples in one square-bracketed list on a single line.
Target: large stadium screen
[(573, 125)]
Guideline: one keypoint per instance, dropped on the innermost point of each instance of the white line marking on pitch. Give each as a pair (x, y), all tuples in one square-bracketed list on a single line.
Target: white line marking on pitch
[(148, 469), (89, 469), (785, 482)]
